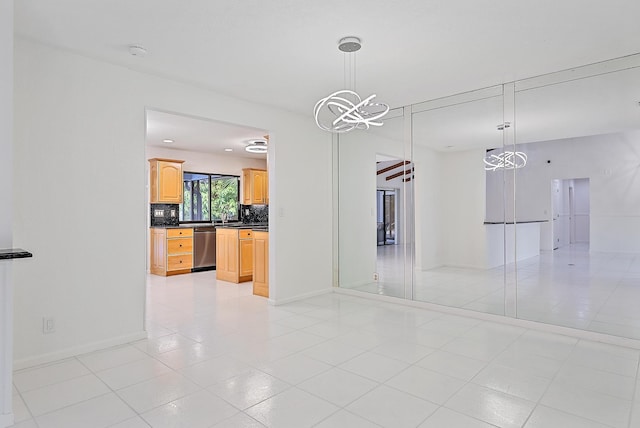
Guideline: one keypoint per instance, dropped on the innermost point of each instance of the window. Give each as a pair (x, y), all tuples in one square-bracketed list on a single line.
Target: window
[(210, 197)]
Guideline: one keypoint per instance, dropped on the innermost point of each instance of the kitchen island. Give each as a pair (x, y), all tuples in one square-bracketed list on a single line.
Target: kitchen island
[(236, 253)]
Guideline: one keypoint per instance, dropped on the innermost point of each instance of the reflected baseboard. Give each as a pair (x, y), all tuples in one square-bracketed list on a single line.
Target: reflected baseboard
[(531, 325)]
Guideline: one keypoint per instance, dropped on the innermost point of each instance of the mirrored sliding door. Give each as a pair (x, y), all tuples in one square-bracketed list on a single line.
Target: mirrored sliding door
[(578, 199), (375, 179), (459, 204)]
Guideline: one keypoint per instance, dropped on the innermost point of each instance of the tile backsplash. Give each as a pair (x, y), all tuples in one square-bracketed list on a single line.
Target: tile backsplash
[(165, 214), (254, 213)]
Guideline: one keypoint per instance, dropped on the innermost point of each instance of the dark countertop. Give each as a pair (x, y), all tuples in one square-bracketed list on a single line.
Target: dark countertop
[(253, 226), (14, 253), (235, 225), (517, 222), (183, 226)]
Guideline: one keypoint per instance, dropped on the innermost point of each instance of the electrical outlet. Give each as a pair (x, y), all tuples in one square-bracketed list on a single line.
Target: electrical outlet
[(48, 325), (375, 276)]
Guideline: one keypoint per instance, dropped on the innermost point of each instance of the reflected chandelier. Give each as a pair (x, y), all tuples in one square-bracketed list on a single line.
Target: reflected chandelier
[(505, 160), (344, 110)]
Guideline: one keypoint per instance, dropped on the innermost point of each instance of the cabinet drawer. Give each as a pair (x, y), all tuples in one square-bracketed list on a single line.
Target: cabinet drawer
[(184, 261), (246, 234), (177, 233), (179, 245)]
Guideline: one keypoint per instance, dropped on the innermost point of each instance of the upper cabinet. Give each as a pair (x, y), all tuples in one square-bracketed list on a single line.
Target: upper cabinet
[(166, 181), (255, 186)]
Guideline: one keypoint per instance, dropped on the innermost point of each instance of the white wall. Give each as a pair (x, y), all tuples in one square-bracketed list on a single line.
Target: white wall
[(582, 210), (6, 121), (429, 215), (462, 202), (6, 191), (80, 197)]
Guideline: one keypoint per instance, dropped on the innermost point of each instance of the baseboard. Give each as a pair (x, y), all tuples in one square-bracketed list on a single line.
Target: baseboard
[(531, 325), (300, 297), (6, 420), (77, 350)]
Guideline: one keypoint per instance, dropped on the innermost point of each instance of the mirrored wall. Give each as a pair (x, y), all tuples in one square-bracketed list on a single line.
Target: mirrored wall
[(520, 200)]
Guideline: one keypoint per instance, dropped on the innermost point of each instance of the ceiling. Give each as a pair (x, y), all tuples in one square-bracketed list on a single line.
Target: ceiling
[(283, 53), (200, 135)]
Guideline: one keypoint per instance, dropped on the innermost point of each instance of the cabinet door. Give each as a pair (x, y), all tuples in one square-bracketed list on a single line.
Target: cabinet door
[(266, 187), (258, 193), (227, 255), (246, 187), (157, 254), (170, 182), (222, 255), (246, 257), (261, 264)]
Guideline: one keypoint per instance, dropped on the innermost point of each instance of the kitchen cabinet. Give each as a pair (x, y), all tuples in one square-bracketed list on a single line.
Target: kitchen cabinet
[(165, 183), (234, 254), (171, 251), (261, 263), (255, 187)]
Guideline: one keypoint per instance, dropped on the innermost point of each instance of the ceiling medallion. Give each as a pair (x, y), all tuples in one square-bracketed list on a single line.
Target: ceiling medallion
[(344, 110)]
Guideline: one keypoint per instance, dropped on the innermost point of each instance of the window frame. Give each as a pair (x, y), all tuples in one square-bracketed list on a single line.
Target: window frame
[(211, 177)]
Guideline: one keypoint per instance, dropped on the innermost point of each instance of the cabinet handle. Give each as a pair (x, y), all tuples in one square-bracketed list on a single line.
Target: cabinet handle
[(180, 261), (180, 245)]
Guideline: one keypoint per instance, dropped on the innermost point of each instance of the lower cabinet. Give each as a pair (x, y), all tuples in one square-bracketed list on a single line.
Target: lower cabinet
[(261, 263), (171, 251), (234, 254)]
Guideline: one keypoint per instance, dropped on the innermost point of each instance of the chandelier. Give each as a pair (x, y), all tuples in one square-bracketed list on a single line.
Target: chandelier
[(505, 160), (344, 110)]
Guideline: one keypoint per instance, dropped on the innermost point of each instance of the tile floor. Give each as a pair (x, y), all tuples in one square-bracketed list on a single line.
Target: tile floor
[(217, 356), (570, 287)]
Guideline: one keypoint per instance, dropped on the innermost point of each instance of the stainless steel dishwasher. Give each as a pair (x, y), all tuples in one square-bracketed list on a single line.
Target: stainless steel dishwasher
[(204, 248)]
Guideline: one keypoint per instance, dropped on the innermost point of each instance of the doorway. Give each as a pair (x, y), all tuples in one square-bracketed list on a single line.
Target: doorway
[(571, 212), (386, 203)]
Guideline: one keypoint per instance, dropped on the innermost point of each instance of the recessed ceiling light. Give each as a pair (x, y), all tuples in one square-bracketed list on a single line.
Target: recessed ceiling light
[(257, 146), (167, 141), (228, 150)]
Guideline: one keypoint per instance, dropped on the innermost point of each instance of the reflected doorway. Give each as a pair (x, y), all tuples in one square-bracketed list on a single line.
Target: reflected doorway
[(386, 201), (571, 212)]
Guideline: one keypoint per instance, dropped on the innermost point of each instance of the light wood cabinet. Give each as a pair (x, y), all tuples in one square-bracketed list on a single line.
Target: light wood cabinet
[(245, 246), (234, 254), (255, 186), (171, 251), (227, 254), (261, 263), (165, 183)]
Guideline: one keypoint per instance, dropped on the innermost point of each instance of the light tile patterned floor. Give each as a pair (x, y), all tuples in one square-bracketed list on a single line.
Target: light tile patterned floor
[(219, 357)]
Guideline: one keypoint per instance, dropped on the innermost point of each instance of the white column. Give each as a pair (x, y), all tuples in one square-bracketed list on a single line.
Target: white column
[(6, 210)]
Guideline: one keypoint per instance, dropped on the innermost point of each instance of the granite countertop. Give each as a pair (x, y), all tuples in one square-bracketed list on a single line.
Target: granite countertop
[(253, 226), (517, 222), (235, 225), (14, 253), (181, 226)]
